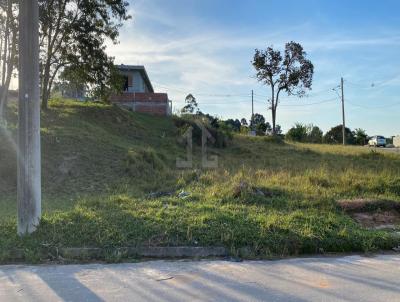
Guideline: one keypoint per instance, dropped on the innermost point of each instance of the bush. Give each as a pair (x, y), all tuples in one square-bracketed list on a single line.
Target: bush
[(221, 134), (360, 137), (335, 136), (298, 133), (233, 125), (315, 135), (304, 133)]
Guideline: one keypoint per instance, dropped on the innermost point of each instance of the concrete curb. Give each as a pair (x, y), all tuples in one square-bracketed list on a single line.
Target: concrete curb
[(122, 253), (147, 252)]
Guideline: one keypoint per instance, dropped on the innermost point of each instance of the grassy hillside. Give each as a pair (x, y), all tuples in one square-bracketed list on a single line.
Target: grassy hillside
[(110, 179)]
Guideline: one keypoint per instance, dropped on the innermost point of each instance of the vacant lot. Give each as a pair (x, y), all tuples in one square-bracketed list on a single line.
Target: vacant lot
[(110, 180)]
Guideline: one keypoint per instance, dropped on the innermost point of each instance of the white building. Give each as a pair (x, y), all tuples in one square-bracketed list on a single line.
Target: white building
[(396, 141)]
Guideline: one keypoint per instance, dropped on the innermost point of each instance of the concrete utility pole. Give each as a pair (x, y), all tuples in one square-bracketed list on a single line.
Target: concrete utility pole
[(343, 115), (29, 174)]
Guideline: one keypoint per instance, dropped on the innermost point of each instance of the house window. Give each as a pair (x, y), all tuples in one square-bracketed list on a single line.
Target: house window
[(126, 83), (130, 80)]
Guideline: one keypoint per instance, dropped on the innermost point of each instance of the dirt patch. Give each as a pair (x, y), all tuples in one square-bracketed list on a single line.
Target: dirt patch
[(368, 205), (374, 214), (381, 220)]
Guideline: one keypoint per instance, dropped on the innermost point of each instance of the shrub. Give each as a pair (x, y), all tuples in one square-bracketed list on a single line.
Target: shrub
[(335, 136), (304, 133), (233, 125), (220, 133), (298, 133), (315, 135), (360, 137)]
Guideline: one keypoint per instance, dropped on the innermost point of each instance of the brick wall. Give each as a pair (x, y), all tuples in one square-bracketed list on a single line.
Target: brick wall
[(140, 97), (147, 108), (152, 103)]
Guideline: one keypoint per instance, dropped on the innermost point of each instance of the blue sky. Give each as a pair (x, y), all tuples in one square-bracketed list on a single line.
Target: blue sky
[(205, 47)]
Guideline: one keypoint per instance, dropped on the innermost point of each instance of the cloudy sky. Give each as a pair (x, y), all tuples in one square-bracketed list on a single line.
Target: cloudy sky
[(205, 47)]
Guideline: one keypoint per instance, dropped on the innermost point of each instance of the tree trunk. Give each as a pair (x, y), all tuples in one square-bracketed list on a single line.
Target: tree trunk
[(274, 121), (8, 67), (6, 39), (273, 109), (4, 91), (1, 61), (46, 76), (52, 77)]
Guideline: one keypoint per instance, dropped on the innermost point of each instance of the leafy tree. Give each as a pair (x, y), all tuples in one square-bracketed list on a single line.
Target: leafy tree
[(305, 133), (258, 119), (191, 107), (258, 124), (314, 135), (289, 72), (244, 123), (233, 124), (212, 120), (278, 130), (360, 136), (298, 133), (72, 38), (335, 136)]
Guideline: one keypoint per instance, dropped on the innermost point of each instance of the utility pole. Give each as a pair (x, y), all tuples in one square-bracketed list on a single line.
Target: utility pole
[(343, 114), (29, 173), (252, 108), (252, 104)]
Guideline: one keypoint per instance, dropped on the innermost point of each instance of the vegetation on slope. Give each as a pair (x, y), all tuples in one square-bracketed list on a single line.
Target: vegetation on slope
[(110, 180)]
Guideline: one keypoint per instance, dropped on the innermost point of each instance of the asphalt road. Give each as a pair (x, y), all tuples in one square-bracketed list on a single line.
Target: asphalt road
[(393, 150), (350, 278)]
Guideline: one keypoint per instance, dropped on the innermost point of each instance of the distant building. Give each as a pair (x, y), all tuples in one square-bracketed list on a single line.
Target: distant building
[(396, 141), (138, 93)]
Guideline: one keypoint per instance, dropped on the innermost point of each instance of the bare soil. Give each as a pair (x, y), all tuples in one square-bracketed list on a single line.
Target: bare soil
[(376, 214)]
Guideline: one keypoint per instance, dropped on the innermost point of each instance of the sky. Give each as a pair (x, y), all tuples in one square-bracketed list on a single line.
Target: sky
[(205, 47)]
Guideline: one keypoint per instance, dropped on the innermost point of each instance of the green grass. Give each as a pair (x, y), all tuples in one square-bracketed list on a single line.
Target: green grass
[(101, 163)]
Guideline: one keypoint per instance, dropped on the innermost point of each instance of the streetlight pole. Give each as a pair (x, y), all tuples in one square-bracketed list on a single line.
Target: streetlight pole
[(343, 114), (29, 161)]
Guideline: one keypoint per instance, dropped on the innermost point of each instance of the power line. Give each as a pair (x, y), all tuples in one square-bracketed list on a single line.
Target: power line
[(361, 86), (224, 103), (374, 84), (310, 104), (302, 104), (374, 107), (265, 103), (229, 95), (221, 95), (312, 93)]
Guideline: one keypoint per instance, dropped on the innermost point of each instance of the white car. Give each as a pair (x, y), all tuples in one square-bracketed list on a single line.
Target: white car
[(377, 141)]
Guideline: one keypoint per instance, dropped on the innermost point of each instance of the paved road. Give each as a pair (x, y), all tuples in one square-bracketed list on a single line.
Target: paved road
[(350, 278), (393, 150)]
